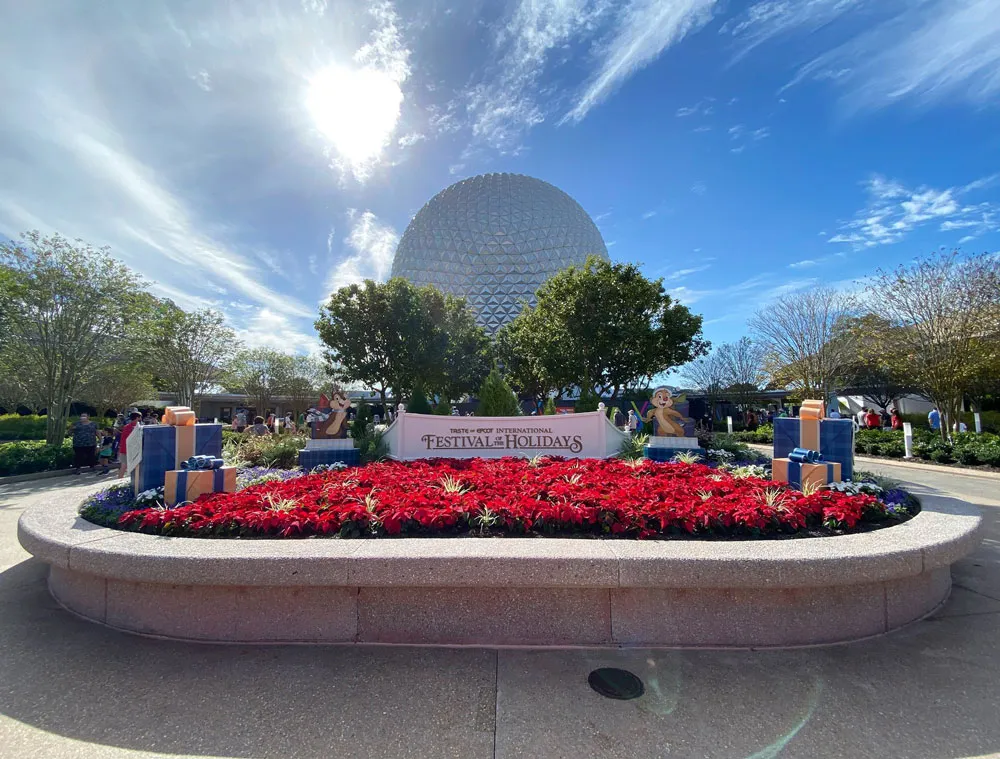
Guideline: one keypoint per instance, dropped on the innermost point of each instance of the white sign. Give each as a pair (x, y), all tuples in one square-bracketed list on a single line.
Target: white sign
[(979, 423), (729, 424), (133, 448), (908, 440), (423, 436)]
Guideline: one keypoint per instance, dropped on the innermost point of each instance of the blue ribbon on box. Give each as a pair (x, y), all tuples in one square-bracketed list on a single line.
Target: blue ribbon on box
[(203, 462), (836, 441), (804, 456)]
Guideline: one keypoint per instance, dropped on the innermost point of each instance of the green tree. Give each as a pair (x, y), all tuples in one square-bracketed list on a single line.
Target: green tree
[(393, 335), (744, 375), (66, 311), (190, 350), (496, 398), (606, 326), (943, 319), (418, 402), (118, 386), (442, 408), (379, 335), (588, 401), (517, 356), (261, 373), (549, 409)]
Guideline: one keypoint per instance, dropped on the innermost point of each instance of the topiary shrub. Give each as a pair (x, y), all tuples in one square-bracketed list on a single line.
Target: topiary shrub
[(418, 402), (588, 401), (549, 409), (496, 398), (443, 408)]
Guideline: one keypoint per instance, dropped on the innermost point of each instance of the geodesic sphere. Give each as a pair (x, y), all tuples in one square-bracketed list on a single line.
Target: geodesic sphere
[(494, 239)]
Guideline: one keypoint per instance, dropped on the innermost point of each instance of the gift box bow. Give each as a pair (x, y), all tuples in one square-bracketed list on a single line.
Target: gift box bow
[(202, 462), (805, 456)]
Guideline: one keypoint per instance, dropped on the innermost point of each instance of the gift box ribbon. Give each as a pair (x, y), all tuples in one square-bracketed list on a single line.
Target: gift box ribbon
[(804, 456), (218, 482)]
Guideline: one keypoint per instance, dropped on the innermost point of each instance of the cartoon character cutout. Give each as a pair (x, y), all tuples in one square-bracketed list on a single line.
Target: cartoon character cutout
[(336, 422), (668, 421)]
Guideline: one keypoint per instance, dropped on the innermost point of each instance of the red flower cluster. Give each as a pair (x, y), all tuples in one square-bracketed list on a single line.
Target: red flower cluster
[(512, 496)]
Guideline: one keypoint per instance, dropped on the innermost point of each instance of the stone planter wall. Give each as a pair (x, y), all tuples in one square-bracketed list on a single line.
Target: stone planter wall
[(531, 591)]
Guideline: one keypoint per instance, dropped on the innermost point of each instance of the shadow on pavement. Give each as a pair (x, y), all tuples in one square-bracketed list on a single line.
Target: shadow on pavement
[(82, 681)]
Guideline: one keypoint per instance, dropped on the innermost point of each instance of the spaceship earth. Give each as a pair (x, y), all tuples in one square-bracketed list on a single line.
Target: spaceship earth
[(494, 239)]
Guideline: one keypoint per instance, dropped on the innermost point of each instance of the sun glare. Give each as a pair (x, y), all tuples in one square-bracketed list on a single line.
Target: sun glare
[(356, 110)]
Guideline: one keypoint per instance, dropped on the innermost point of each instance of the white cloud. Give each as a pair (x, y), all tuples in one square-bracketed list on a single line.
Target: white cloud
[(410, 139), (374, 245), (267, 329), (699, 188), (682, 273), (804, 264), (648, 215), (922, 51), (894, 210), (644, 30), (540, 36), (738, 149), (203, 80), (703, 107), (760, 134)]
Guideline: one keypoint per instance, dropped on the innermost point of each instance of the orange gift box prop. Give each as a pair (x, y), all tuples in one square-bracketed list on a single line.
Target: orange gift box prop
[(801, 475), (183, 485)]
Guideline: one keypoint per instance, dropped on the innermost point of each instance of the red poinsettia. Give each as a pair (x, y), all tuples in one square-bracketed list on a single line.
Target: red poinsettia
[(511, 496)]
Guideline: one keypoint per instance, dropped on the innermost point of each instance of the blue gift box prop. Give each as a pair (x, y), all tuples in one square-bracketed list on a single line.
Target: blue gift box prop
[(159, 452), (795, 472), (203, 462), (667, 454), (836, 438), (309, 458)]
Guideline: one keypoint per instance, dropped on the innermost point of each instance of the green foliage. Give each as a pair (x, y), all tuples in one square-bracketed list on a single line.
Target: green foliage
[(392, 335), (443, 408), (739, 449), (604, 325), (549, 409), (587, 401), (280, 452), (28, 456), (16, 427), (370, 445), (496, 398), (632, 449), (762, 435), (67, 311), (261, 373), (189, 350), (418, 402), (364, 417)]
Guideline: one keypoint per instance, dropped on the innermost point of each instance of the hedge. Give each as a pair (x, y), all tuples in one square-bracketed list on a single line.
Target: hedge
[(28, 456), (32, 426)]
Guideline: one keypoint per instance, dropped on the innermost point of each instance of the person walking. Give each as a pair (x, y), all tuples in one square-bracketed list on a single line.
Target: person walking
[(116, 432), (106, 453), (84, 443), (934, 419), (134, 419), (258, 427), (896, 422)]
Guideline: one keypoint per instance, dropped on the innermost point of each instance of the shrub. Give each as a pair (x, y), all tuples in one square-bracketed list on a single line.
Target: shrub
[(588, 401), (496, 398), (443, 408), (762, 435), (17, 427), (28, 456), (549, 409), (418, 402), (263, 450)]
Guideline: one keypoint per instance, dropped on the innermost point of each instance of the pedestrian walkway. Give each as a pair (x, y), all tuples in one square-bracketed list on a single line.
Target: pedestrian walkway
[(69, 688)]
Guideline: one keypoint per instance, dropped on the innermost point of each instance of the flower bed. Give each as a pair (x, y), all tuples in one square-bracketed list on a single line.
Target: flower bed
[(518, 497)]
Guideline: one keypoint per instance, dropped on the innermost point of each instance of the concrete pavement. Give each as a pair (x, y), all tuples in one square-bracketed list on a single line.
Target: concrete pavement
[(69, 688)]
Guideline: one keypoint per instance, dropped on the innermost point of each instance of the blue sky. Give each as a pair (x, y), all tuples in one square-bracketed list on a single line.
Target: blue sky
[(251, 156)]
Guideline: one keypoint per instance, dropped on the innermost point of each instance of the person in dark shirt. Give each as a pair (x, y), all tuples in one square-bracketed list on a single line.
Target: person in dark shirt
[(84, 443), (106, 453)]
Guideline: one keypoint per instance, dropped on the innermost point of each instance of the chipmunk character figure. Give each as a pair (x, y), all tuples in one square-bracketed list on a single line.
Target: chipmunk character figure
[(337, 427), (665, 415)]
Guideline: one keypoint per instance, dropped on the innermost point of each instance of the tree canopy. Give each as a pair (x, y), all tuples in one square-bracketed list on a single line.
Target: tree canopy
[(393, 335), (67, 311), (604, 326)]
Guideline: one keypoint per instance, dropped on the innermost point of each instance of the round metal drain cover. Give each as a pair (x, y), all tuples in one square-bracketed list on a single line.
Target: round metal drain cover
[(616, 683)]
